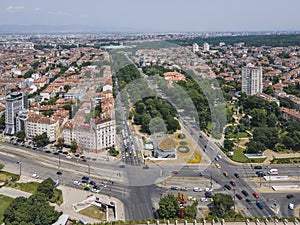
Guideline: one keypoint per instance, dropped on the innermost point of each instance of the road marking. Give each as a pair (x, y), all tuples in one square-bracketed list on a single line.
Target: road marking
[(7, 154)]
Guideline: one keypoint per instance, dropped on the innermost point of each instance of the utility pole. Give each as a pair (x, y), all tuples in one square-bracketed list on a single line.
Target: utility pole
[(20, 164)]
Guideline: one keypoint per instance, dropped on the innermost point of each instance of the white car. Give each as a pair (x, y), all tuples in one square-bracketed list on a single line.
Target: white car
[(203, 199), (35, 176), (291, 206), (219, 156), (196, 189), (95, 190), (76, 182), (68, 157)]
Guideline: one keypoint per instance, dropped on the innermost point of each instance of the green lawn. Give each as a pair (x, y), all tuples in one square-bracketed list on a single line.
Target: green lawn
[(4, 203), (4, 175), (29, 187), (94, 212), (239, 156)]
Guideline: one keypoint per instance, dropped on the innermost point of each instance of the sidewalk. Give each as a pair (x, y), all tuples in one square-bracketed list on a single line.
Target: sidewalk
[(72, 196)]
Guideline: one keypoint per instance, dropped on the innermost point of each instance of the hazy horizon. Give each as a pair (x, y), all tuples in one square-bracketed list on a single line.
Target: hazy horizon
[(155, 16)]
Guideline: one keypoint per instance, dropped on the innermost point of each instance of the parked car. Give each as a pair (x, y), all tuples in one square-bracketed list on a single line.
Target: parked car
[(76, 182), (174, 188), (35, 176), (232, 182), (184, 189), (175, 172), (239, 196), (197, 189), (225, 174), (245, 193), (227, 187), (218, 165), (248, 200), (257, 167), (236, 175)]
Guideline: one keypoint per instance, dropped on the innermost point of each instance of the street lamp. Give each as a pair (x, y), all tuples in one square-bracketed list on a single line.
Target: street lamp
[(234, 199), (20, 164)]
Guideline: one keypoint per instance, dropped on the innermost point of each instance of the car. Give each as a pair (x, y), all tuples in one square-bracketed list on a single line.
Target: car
[(219, 156), (93, 183), (103, 184), (291, 206), (197, 189), (245, 193), (184, 189), (259, 205), (59, 173), (255, 195), (257, 167), (95, 190), (47, 151), (227, 187), (218, 165), (56, 153), (191, 198), (216, 158), (232, 182), (236, 175), (76, 182), (203, 199), (225, 174), (35, 176), (208, 194), (290, 196), (65, 153), (248, 200), (77, 155), (174, 188), (85, 178), (239, 196), (175, 172), (86, 188), (84, 160), (68, 157), (85, 181)]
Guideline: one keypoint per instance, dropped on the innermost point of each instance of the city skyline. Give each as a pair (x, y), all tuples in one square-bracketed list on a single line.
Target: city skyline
[(154, 16)]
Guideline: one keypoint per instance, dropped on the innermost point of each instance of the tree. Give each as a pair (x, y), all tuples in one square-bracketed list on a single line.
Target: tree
[(47, 188), (222, 205), (21, 135), (266, 135), (190, 211), (255, 147), (168, 207), (74, 146), (228, 144), (2, 121), (41, 140)]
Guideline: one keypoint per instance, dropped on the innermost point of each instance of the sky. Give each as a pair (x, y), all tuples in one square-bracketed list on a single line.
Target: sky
[(156, 15)]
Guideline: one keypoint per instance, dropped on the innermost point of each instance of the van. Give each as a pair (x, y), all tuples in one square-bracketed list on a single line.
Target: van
[(273, 171)]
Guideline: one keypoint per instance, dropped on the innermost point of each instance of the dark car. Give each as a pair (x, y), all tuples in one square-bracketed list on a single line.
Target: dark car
[(236, 175), (227, 187), (248, 200), (258, 167), (259, 205), (260, 174), (290, 196), (85, 178), (93, 183), (86, 188), (208, 194), (245, 193), (174, 188), (239, 196)]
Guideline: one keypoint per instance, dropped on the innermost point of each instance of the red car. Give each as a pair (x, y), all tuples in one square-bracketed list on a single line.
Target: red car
[(255, 195), (84, 159), (232, 182), (175, 172), (239, 196)]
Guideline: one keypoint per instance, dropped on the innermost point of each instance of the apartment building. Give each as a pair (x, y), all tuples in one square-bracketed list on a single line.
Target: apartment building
[(14, 103), (38, 124), (252, 79)]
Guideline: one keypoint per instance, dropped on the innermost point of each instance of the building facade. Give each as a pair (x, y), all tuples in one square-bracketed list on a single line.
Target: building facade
[(252, 80), (15, 102)]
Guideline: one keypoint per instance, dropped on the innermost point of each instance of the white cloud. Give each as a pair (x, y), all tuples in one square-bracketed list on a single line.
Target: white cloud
[(15, 8), (59, 13)]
